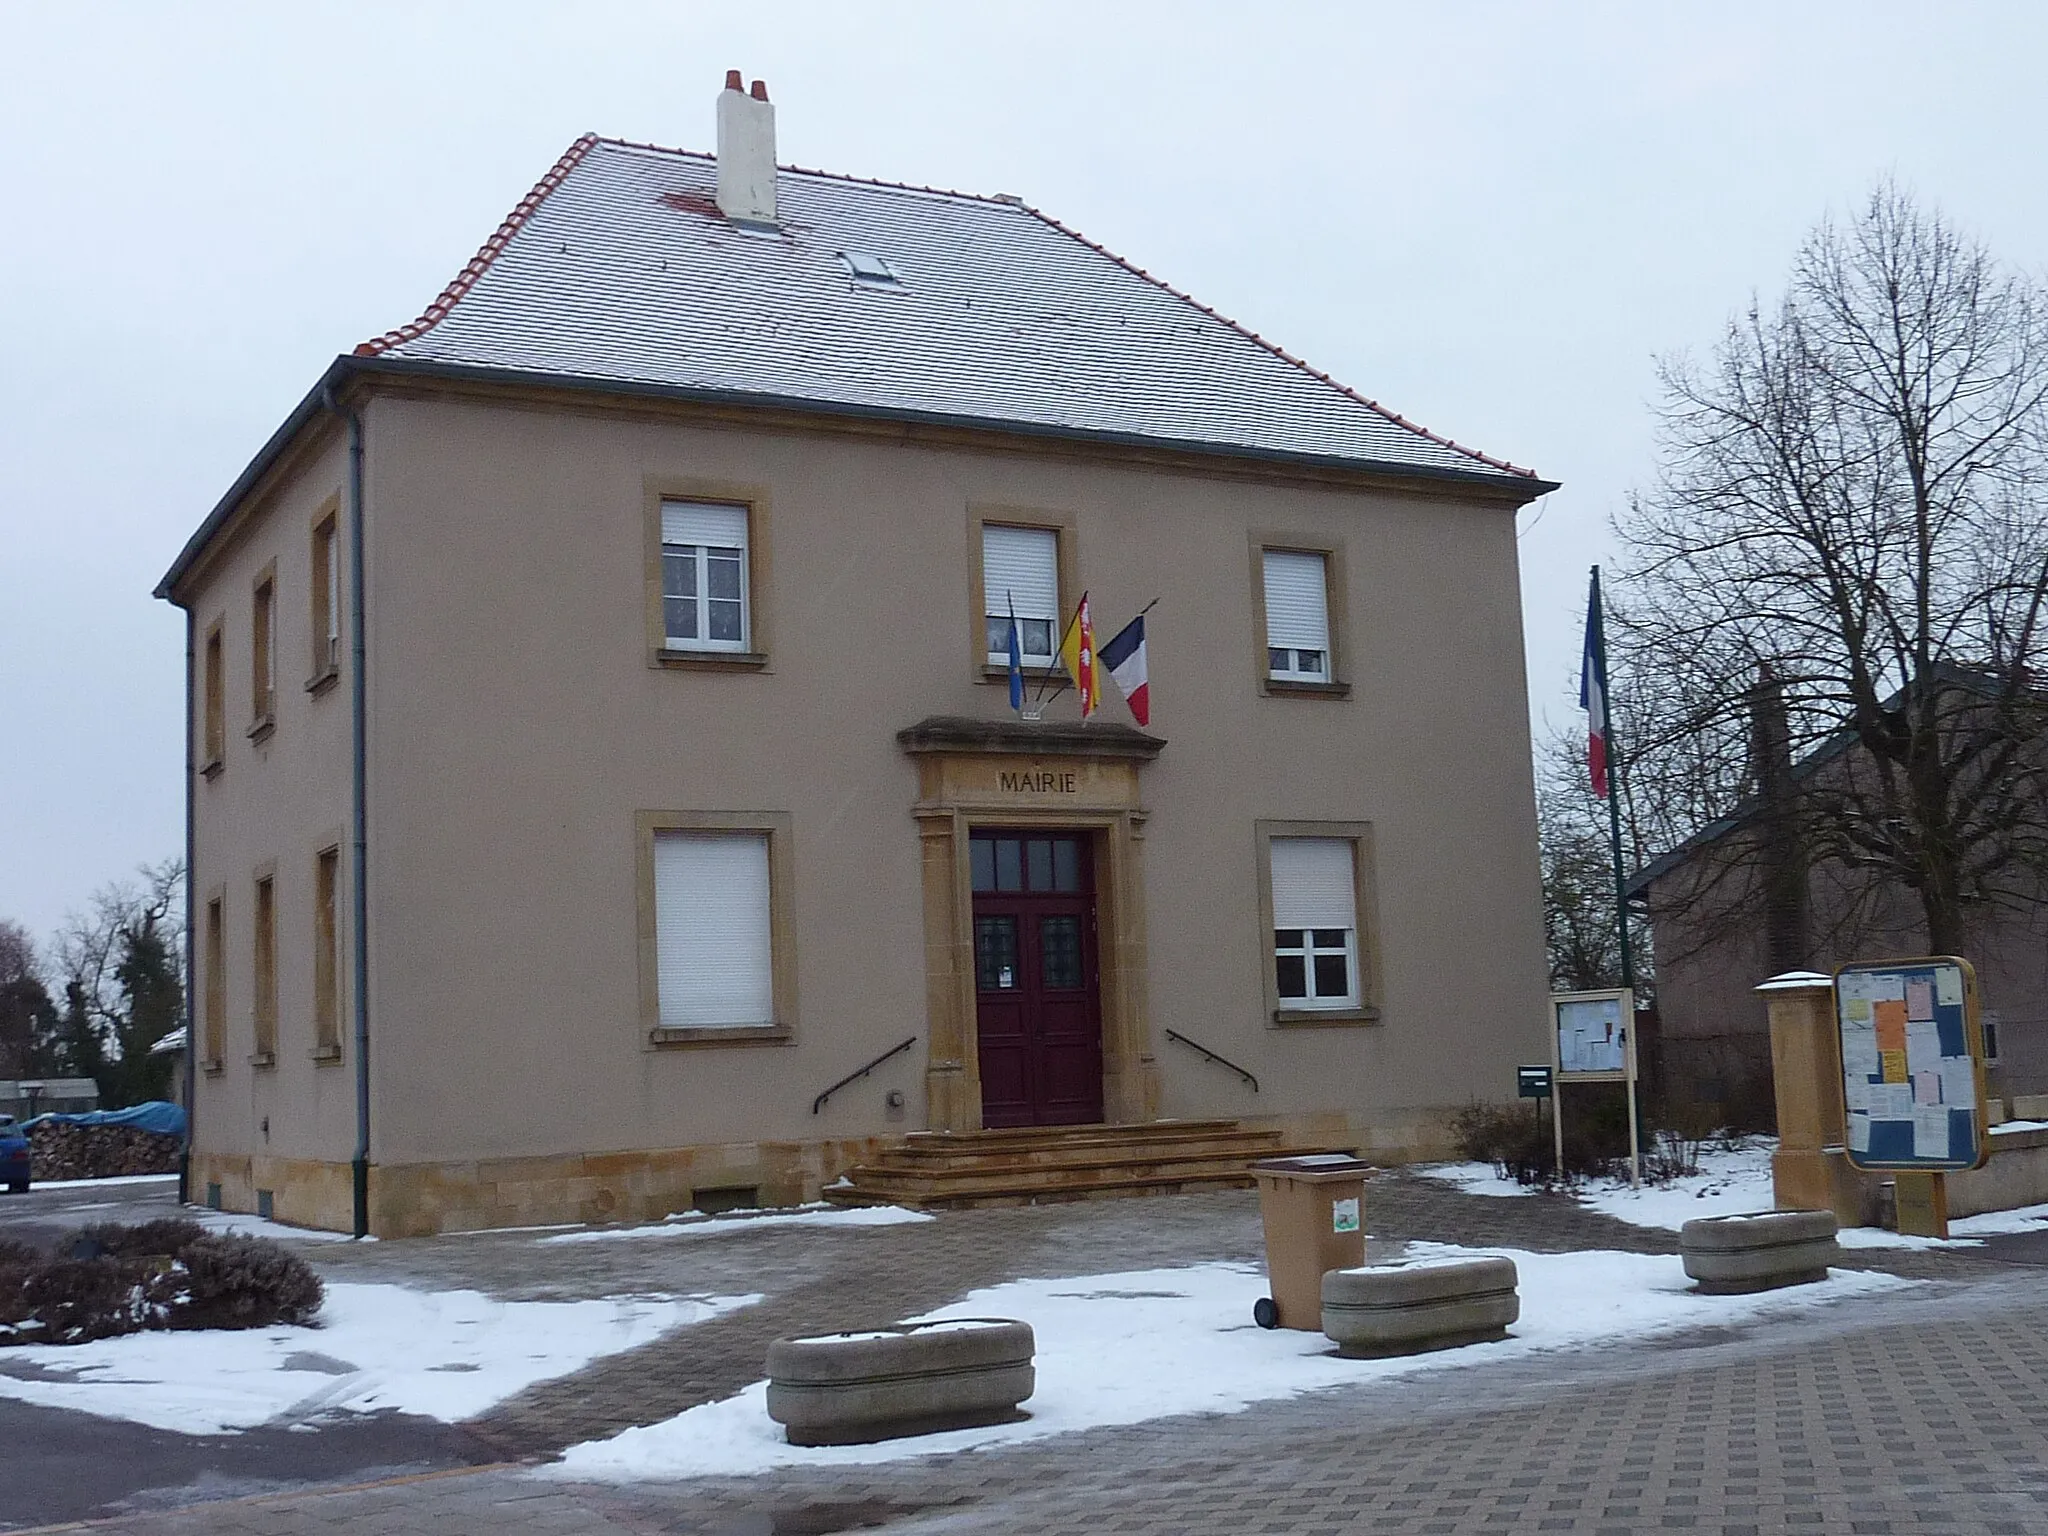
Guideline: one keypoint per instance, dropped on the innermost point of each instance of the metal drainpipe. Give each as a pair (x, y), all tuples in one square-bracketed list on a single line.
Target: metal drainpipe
[(191, 917), (359, 821)]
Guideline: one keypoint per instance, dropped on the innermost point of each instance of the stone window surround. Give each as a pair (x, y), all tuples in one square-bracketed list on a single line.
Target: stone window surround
[(328, 1052), (263, 1022), (780, 827), (657, 488), (213, 991), (1337, 586), (1065, 526), (213, 696), (326, 590), (1365, 916), (263, 653)]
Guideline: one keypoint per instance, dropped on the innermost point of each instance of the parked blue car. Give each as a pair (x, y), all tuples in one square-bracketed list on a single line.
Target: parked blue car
[(13, 1155)]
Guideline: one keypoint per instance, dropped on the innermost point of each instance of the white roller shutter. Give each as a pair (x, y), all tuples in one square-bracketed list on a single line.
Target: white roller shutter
[(704, 522), (1021, 565), (711, 929), (1313, 886), (1297, 601)]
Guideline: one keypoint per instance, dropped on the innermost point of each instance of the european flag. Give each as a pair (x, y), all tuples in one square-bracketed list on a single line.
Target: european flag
[(1016, 663)]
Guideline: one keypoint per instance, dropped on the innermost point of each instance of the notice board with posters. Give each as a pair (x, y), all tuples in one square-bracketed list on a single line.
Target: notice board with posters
[(1912, 1065)]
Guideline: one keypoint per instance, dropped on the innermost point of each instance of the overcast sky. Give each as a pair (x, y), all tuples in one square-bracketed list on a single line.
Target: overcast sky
[(1493, 218)]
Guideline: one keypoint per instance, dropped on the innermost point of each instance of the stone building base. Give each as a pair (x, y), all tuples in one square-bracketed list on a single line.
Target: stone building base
[(422, 1199)]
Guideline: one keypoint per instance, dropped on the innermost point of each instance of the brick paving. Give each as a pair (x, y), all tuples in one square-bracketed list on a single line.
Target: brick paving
[(1920, 1411)]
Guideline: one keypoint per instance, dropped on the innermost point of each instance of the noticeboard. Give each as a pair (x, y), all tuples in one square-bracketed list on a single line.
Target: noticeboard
[(1592, 1034), (1912, 1065)]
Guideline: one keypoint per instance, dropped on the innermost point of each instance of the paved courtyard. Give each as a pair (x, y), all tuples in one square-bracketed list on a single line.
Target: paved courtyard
[(1922, 1409)]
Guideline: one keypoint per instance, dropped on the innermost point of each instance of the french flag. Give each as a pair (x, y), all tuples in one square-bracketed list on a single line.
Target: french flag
[(1124, 656), (1593, 691)]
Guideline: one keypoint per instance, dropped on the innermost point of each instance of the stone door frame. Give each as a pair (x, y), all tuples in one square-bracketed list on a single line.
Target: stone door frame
[(1029, 776)]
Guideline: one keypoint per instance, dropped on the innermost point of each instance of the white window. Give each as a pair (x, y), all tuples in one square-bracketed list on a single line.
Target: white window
[(704, 576), (1020, 572), (1315, 922), (713, 951), (1297, 616)]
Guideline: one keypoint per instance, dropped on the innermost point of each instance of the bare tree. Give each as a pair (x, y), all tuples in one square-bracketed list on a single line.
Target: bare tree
[(121, 962), (1578, 875), (1852, 512)]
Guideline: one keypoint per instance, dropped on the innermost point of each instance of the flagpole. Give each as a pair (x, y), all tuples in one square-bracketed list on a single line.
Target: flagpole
[(1628, 968)]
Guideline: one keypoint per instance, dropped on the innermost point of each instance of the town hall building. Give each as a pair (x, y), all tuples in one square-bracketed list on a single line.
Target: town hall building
[(605, 792)]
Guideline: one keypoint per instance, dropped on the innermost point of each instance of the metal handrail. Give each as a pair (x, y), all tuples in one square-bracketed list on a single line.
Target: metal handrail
[(853, 1077), (1221, 1061)]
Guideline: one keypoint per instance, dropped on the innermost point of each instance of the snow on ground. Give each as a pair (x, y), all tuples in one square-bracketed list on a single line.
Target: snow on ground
[(1474, 1178), (694, 1224), (1731, 1181), (237, 1224), (445, 1354), (126, 1178), (1124, 1348), (1963, 1232)]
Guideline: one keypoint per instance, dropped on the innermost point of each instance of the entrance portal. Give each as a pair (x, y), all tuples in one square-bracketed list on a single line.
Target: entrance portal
[(1037, 1012)]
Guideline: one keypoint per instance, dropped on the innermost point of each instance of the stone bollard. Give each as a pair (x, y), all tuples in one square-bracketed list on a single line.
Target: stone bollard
[(1410, 1308), (1734, 1255), (909, 1379)]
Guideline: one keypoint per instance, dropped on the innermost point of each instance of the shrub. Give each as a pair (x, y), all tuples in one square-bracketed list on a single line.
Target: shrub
[(158, 1274), (1521, 1147), (246, 1282), (166, 1237)]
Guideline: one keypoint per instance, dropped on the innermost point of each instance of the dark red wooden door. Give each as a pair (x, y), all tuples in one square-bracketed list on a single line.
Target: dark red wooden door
[(1037, 1013)]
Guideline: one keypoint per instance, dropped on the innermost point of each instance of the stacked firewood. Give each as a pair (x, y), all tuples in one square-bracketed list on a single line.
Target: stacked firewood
[(61, 1151)]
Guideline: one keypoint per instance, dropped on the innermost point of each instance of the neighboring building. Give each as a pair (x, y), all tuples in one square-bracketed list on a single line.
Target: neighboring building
[(1737, 903), (601, 742)]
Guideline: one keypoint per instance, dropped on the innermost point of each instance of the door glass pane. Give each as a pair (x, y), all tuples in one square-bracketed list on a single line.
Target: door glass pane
[(1009, 864), (1039, 860), (995, 953), (1059, 951), (1066, 865), (1293, 977), (1333, 976), (982, 855)]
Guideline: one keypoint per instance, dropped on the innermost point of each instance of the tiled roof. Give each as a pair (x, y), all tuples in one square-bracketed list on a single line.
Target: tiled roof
[(618, 267)]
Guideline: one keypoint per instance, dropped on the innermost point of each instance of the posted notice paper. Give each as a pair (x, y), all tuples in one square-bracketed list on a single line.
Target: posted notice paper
[(1958, 1081), (1930, 1132), (1859, 1132), (1948, 985)]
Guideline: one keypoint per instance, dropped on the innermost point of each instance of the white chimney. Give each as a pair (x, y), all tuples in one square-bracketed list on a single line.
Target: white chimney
[(746, 153)]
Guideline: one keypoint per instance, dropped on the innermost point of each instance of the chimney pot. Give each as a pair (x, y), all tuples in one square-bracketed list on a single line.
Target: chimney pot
[(746, 153)]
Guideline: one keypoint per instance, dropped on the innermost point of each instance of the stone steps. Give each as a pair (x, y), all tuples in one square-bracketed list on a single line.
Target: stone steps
[(936, 1170)]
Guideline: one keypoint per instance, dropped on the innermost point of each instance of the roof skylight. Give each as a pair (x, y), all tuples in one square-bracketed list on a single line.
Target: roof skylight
[(866, 267)]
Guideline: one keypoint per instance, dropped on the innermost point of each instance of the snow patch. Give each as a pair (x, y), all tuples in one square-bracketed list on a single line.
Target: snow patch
[(1474, 1178), (1124, 1348), (692, 1224), (1731, 1182), (447, 1355)]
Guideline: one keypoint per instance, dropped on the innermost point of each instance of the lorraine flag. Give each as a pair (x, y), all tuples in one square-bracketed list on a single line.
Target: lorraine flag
[(1077, 650), (1125, 658), (1593, 691)]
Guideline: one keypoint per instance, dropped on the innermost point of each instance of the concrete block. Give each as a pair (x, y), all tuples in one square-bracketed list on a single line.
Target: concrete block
[(1758, 1251), (2030, 1106), (1406, 1309), (910, 1379)]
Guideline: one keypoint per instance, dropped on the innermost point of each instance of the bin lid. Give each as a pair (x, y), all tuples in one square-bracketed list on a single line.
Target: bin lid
[(1314, 1165)]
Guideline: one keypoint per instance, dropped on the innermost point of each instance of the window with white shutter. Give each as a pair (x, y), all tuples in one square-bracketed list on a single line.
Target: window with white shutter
[(1020, 572), (704, 584), (1297, 587), (714, 958), (1315, 922)]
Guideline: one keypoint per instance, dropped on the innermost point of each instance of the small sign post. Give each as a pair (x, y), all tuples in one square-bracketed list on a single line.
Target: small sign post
[(1913, 1092), (1535, 1083), (1593, 1040)]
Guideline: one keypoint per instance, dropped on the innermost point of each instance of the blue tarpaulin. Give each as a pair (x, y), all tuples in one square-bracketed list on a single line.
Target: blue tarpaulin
[(162, 1118)]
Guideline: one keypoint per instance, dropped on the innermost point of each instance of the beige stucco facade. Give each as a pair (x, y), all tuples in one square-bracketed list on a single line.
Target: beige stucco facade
[(519, 732)]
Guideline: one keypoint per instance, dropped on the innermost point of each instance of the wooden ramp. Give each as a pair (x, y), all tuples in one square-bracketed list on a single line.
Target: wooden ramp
[(937, 1170)]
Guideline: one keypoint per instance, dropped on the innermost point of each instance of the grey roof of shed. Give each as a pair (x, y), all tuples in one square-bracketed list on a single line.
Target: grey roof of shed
[(619, 269)]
